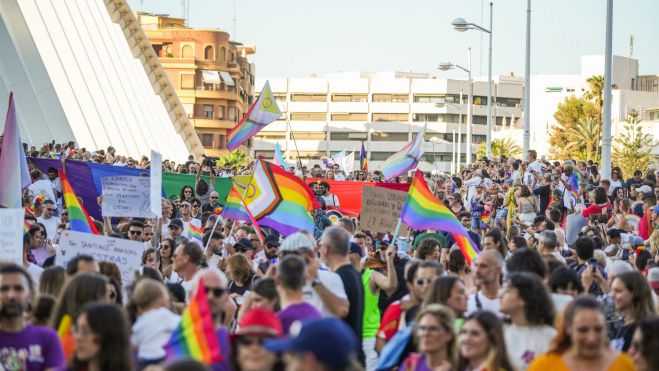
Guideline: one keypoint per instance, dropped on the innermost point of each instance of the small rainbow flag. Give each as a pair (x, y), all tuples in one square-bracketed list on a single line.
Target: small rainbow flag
[(78, 217), (422, 210), (195, 336), (363, 162), (260, 114), (406, 159), (234, 208), (26, 227), (66, 337), (633, 220), (196, 232)]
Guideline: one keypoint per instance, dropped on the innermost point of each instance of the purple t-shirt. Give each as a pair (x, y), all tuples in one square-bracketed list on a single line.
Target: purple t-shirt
[(225, 350), (297, 312), (33, 349)]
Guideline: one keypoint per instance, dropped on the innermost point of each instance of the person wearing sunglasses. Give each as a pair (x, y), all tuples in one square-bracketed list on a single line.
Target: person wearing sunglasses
[(255, 327), (48, 218), (135, 230)]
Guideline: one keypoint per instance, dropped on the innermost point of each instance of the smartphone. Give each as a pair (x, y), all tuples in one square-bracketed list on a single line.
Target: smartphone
[(625, 254), (593, 263)]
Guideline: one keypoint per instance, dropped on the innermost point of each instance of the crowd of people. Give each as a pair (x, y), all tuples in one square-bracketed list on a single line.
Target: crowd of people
[(536, 297)]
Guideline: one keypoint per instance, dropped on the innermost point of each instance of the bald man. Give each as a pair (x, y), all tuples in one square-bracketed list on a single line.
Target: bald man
[(487, 271)]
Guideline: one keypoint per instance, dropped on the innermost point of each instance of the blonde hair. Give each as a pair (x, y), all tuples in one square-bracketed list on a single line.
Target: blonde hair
[(148, 292)]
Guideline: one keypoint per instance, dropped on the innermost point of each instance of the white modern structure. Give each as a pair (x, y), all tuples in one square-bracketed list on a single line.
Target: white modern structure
[(384, 110), (83, 70)]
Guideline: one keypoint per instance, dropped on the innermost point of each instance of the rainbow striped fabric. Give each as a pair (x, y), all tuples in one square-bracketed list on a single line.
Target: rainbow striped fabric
[(196, 232), (195, 336), (406, 159), (280, 200), (13, 164), (26, 226), (422, 210), (279, 158), (78, 217), (363, 162), (633, 220), (66, 336), (234, 208), (260, 114)]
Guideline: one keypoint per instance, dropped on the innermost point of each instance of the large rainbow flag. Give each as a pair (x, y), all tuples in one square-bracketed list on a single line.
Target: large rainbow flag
[(260, 114), (406, 159), (195, 336), (234, 208), (422, 210), (14, 173), (279, 200), (78, 217)]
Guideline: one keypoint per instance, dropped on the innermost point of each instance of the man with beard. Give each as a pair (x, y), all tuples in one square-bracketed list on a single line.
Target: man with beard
[(23, 346), (268, 256)]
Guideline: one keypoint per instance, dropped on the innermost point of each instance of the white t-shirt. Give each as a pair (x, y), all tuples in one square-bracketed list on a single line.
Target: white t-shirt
[(44, 187), (486, 304), (331, 200), (51, 226), (164, 231), (187, 287), (152, 331), (524, 343), (332, 282), (560, 301), (35, 271)]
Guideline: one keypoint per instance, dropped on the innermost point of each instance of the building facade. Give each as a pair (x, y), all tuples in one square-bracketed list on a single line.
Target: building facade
[(382, 110), (211, 74)]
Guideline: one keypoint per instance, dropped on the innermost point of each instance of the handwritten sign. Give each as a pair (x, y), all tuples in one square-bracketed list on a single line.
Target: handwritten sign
[(128, 196), (11, 235), (126, 254), (381, 209), (155, 183)]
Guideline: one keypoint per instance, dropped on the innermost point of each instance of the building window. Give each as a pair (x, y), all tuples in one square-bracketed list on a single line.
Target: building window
[(381, 156), (186, 52), (232, 113), (308, 98), (271, 135), (428, 99), (309, 135), (221, 112), (208, 111), (514, 102), (390, 117), (398, 98), (479, 120), (223, 54), (206, 140), (426, 117), (187, 81), (281, 98), (221, 141), (352, 136), (349, 97), (209, 53), (379, 136), (308, 116), (349, 116)]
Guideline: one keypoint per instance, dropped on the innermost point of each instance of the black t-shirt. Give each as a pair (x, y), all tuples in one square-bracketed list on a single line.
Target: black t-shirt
[(543, 192), (240, 290), (352, 283), (623, 338)]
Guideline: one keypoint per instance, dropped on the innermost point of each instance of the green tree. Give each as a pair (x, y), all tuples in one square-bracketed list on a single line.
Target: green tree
[(595, 92), (236, 159), (632, 149), (501, 147), (587, 134)]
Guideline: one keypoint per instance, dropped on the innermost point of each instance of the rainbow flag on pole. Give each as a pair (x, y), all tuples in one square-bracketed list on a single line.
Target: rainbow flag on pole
[(422, 210), (363, 162), (195, 336), (406, 159), (234, 208), (260, 114), (14, 173), (78, 217), (196, 232), (279, 158), (280, 200)]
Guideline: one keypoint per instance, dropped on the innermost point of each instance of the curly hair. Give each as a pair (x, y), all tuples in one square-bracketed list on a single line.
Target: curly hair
[(538, 307), (426, 248)]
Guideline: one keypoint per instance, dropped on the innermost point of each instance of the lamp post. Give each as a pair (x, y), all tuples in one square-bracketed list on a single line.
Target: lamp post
[(527, 82), (459, 24), (606, 124), (445, 66), (459, 108)]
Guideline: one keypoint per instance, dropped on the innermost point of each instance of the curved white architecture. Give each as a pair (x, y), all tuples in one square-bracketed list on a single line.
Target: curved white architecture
[(83, 70)]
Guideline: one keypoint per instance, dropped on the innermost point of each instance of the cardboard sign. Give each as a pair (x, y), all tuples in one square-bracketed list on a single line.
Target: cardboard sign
[(155, 183), (11, 235), (126, 254), (381, 209), (128, 196)]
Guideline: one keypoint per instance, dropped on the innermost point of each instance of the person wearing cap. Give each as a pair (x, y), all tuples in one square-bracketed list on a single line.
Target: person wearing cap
[(268, 256), (175, 228), (323, 289), (638, 194), (324, 344), (244, 247), (255, 327)]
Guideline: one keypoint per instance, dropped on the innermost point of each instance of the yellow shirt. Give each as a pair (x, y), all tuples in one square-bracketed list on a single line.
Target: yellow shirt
[(554, 362)]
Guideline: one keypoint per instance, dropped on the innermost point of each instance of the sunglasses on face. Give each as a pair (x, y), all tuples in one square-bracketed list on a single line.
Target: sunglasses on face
[(250, 340), (49, 209), (187, 191), (135, 232), (217, 291), (214, 198), (185, 205), (423, 281)]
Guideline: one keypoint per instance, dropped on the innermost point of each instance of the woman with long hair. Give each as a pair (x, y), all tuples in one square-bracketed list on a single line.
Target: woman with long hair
[(264, 295), (526, 301), (52, 281), (83, 288), (166, 263), (435, 338), (240, 272), (482, 345), (632, 298), (102, 339), (617, 181), (449, 291), (456, 265), (187, 193), (527, 205), (580, 343), (645, 344)]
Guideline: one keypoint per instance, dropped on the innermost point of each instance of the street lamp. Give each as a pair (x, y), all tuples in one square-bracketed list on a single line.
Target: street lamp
[(445, 66), (461, 25), (434, 140)]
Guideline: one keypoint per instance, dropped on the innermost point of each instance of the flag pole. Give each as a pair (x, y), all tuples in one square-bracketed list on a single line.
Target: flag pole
[(299, 159), (397, 231)]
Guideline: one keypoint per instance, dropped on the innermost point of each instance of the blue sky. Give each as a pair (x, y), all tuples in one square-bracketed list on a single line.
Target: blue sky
[(295, 38)]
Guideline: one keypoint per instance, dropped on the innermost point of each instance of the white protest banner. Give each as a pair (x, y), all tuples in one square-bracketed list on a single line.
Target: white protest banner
[(11, 235), (128, 196), (126, 254), (155, 182), (381, 209)]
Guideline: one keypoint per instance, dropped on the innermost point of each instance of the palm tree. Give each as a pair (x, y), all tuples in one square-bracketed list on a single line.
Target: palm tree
[(595, 92), (587, 134), (236, 159), (501, 147)]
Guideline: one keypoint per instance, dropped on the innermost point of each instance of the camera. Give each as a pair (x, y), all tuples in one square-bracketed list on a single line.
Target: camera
[(209, 161)]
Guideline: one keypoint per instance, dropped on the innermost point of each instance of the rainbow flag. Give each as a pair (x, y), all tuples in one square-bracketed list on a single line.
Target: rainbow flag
[(633, 220), (422, 210), (363, 162), (13, 164), (196, 232), (279, 200), (260, 114), (66, 336), (195, 336), (234, 208), (406, 159), (26, 227), (78, 217), (279, 158)]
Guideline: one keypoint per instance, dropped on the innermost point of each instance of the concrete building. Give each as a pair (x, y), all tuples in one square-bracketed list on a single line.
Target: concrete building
[(384, 110), (85, 71), (211, 75)]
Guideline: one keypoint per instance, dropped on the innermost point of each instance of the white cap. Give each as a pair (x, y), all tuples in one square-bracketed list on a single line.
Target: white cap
[(298, 241)]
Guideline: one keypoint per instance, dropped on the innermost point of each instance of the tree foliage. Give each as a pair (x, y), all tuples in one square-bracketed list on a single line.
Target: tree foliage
[(236, 159), (632, 149), (501, 147)]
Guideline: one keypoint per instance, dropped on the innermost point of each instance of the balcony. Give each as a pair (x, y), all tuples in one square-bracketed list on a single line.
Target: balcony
[(207, 123), (202, 92)]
